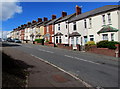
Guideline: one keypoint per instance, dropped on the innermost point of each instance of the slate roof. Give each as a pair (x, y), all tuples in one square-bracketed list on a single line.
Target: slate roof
[(107, 29), (94, 12), (44, 23), (65, 18), (53, 21)]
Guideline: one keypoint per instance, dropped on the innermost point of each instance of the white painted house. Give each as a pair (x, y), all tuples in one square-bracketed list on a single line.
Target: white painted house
[(61, 29), (96, 25)]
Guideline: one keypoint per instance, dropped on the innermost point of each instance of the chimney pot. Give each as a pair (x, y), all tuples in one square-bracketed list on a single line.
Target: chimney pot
[(29, 23), (78, 10), (53, 17), (33, 21), (64, 14), (45, 19), (39, 20)]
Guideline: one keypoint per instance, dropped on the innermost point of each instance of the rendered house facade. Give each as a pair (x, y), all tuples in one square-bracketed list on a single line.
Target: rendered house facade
[(61, 29), (75, 29), (96, 25)]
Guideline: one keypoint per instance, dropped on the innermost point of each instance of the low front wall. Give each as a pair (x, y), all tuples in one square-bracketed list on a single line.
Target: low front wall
[(104, 51), (47, 44), (64, 47)]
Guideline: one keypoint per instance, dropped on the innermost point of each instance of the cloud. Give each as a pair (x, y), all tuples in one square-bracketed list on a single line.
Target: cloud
[(9, 9), (3, 34)]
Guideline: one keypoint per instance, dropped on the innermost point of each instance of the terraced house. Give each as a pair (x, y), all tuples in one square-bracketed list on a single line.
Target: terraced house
[(96, 25), (49, 29), (61, 29), (75, 29)]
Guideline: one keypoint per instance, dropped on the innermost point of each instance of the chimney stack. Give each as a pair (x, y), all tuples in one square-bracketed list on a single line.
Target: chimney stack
[(64, 14), (33, 21), (22, 25), (29, 23), (45, 19), (53, 17), (39, 20), (78, 10)]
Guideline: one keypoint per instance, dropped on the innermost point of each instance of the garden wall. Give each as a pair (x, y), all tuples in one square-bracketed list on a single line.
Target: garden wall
[(104, 51), (47, 44)]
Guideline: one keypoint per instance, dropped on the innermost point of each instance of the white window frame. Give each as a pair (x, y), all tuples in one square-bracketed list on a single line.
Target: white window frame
[(109, 18), (90, 22), (91, 37), (112, 36), (105, 36), (103, 18), (85, 23), (74, 26), (58, 27)]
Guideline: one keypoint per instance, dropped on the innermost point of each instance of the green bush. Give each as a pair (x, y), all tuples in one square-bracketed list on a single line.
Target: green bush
[(38, 40), (107, 44)]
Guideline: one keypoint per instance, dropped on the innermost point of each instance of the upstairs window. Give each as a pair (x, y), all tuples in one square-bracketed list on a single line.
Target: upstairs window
[(85, 23), (90, 23), (74, 26), (112, 37), (66, 25), (59, 27), (109, 18), (103, 17), (47, 29)]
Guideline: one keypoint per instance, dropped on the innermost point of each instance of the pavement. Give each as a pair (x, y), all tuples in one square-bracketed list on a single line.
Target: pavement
[(95, 70), (43, 74)]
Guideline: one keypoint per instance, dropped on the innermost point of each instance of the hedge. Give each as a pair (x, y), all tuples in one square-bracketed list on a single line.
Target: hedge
[(38, 40), (107, 44)]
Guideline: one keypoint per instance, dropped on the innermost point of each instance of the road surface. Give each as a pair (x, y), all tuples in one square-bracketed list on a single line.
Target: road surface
[(96, 70)]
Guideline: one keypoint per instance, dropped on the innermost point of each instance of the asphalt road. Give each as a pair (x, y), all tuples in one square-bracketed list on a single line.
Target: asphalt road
[(96, 70)]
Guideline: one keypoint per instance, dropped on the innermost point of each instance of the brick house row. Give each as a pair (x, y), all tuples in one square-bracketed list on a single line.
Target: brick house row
[(74, 29)]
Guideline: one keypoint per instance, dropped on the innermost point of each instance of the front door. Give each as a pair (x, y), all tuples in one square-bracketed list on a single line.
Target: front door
[(85, 39)]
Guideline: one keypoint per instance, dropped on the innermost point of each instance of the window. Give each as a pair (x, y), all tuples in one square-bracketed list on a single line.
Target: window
[(56, 39), (58, 26), (60, 40), (47, 29), (90, 23), (105, 36), (85, 23), (103, 16), (74, 26), (112, 37), (66, 25), (109, 18), (91, 37)]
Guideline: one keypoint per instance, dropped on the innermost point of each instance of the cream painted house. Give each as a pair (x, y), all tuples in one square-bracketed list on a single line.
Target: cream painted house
[(96, 25)]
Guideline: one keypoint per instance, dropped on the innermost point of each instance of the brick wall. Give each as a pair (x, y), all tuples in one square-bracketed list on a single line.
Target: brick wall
[(104, 51), (47, 44), (64, 47)]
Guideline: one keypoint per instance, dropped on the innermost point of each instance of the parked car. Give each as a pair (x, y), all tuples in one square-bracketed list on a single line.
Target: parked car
[(17, 41), (9, 40)]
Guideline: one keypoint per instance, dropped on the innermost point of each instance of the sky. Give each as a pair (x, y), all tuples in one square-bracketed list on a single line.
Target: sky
[(15, 14)]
